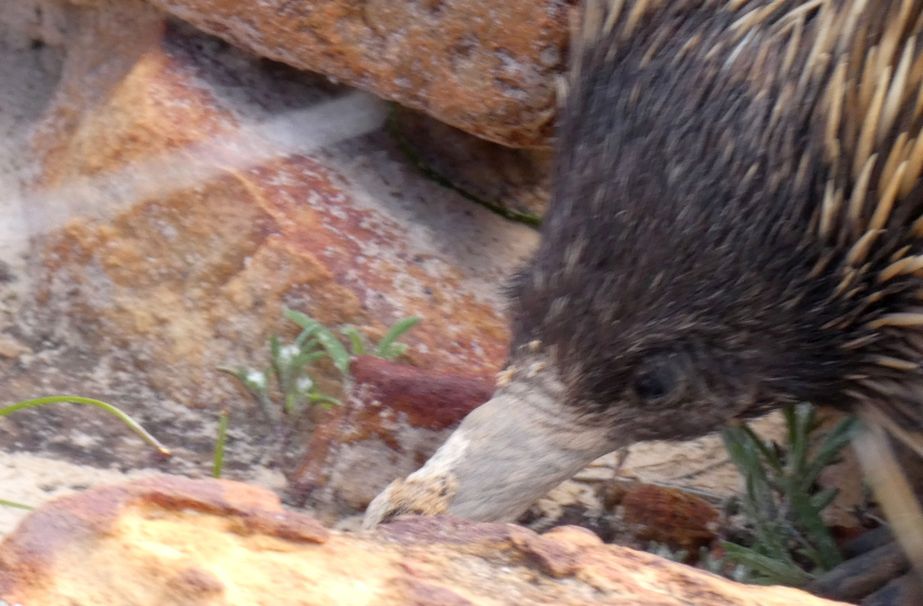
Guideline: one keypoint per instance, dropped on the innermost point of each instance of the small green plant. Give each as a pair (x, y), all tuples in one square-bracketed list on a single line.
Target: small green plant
[(388, 348), (64, 399), (789, 543), (291, 365)]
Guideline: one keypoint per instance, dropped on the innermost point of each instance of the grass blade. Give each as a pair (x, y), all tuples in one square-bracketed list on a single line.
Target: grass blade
[(827, 552), (355, 340), (768, 453), (394, 333), (109, 408), (218, 460), (15, 505), (824, 498), (800, 420)]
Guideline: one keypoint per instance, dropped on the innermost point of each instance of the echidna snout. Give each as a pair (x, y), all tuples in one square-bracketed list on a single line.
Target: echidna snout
[(506, 454)]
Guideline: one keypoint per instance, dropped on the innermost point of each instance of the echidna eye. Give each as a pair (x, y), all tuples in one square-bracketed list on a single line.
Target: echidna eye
[(650, 387), (656, 382)]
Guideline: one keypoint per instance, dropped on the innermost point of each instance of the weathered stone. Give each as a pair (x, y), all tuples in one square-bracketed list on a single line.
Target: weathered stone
[(169, 540), (514, 182), (669, 515), (200, 220), (488, 68)]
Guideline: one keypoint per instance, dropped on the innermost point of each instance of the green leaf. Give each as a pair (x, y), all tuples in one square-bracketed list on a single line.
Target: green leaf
[(323, 400), (395, 351), (304, 340), (292, 400), (14, 505), (775, 571), (769, 454), (328, 341), (800, 420), (808, 517), (742, 450), (275, 351), (356, 341), (394, 333), (335, 350)]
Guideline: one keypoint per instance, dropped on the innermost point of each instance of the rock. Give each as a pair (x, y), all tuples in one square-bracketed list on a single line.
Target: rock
[(630, 513), (669, 515), (10, 347), (515, 182), (169, 540), (186, 202), (393, 419), (488, 68)]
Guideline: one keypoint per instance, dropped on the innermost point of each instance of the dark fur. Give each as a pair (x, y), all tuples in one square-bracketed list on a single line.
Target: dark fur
[(688, 262)]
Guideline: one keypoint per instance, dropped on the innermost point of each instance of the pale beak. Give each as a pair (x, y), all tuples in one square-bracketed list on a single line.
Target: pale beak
[(504, 456)]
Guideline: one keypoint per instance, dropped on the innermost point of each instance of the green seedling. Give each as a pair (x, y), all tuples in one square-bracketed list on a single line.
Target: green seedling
[(316, 334), (790, 544), (388, 348), (289, 367), (291, 364)]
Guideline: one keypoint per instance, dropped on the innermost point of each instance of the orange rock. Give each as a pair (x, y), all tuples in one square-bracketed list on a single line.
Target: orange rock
[(192, 272), (485, 67), (669, 515), (171, 541)]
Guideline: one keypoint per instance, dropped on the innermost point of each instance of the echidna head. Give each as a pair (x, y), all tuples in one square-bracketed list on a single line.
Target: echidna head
[(605, 363), (648, 312), (673, 290)]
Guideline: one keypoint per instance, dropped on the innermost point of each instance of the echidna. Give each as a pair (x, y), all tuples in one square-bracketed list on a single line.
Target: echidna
[(736, 223)]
